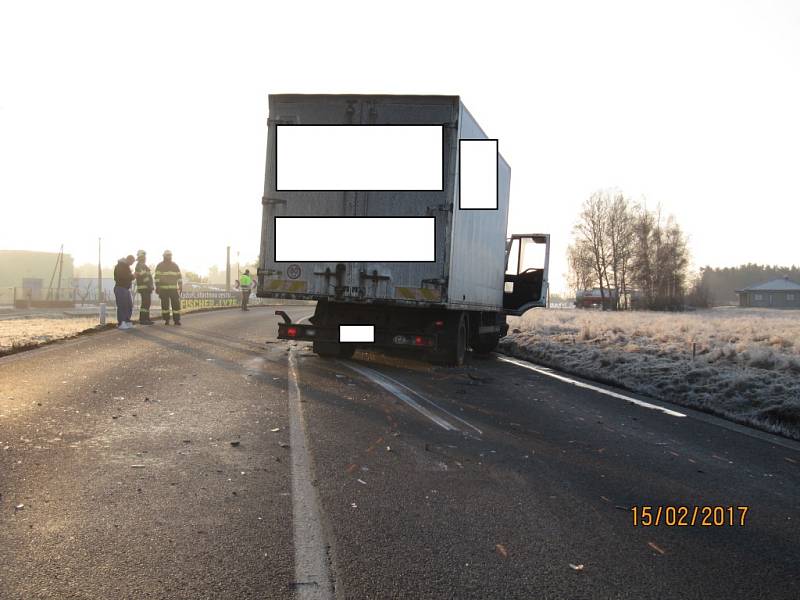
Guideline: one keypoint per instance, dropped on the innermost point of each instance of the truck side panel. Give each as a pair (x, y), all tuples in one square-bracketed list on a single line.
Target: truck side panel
[(478, 240)]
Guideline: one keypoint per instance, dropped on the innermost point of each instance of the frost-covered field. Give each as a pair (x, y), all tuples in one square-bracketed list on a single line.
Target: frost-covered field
[(34, 331), (747, 365)]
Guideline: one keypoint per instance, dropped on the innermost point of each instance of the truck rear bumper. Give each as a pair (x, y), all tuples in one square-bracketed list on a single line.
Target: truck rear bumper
[(382, 339)]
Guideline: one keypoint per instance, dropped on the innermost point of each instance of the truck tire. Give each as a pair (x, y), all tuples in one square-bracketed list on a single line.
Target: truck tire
[(485, 344), (455, 343), (334, 350)]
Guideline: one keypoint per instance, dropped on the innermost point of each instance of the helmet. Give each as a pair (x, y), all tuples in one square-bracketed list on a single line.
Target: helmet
[(167, 252), (140, 253)]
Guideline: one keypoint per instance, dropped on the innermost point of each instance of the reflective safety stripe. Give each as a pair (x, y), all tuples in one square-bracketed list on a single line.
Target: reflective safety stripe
[(175, 312), (168, 287), (169, 273), (286, 285), (412, 293), (144, 311)]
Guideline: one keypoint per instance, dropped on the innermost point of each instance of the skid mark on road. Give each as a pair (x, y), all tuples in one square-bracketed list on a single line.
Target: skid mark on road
[(312, 577), (594, 388), (407, 394)]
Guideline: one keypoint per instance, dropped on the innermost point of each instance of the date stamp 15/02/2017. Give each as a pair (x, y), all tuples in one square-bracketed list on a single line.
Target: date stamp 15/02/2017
[(689, 516)]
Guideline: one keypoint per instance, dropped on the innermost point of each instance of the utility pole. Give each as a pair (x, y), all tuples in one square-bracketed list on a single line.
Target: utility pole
[(60, 267), (228, 271), (99, 274)]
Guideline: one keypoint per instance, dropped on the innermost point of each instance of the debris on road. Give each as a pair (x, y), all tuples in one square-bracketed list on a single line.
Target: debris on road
[(137, 466), (656, 548), (578, 567), (361, 481), (275, 429), (296, 584), (501, 550), (19, 507), (353, 505), (283, 444), (478, 378), (235, 444)]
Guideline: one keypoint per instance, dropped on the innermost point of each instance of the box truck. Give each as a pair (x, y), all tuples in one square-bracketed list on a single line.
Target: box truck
[(391, 211)]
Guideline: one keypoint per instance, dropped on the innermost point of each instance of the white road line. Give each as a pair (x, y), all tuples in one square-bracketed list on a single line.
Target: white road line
[(580, 384), (312, 578), (394, 389)]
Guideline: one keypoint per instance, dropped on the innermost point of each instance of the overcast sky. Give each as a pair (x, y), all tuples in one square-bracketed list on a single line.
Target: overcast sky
[(145, 123)]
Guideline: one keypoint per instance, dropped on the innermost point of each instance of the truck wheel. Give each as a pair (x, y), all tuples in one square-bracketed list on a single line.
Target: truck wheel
[(484, 344), (333, 349)]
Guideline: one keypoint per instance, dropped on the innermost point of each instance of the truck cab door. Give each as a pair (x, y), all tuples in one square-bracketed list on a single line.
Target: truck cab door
[(525, 283)]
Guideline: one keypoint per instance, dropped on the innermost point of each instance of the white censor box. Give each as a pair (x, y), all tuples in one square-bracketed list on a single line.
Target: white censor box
[(359, 158), (357, 333)]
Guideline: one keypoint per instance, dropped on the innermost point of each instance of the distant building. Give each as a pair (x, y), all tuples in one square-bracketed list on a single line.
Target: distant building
[(778, 293), (31, 279), (593, 299), (33, 270)]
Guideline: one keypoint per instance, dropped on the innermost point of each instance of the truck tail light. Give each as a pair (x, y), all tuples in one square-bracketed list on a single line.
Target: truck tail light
[(291, 331), (438, 324), (413, 340)]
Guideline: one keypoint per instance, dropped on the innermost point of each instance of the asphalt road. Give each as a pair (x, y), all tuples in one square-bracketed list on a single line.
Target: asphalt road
[(202, 462)]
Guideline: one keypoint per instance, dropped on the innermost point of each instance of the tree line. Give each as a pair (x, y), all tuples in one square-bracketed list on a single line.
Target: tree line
[(636, 257)]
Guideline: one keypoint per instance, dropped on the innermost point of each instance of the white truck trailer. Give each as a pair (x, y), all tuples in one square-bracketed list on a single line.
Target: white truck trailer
[(366, 211)]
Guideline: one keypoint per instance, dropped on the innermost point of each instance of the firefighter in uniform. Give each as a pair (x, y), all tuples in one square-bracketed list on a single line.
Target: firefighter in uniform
[(144, 286), (169, 285)]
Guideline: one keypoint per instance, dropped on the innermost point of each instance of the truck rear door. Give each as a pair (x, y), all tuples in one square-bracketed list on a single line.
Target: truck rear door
[(366, 279)]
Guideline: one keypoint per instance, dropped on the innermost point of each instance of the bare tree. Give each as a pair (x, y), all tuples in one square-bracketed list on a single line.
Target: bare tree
[(660, 260), (642, 259), (620, 240), (592, 230), (582, 275), (621, 247)]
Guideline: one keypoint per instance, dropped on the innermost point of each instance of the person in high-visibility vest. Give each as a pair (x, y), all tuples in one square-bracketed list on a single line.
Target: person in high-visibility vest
[(245, 285), (169, 285), (144, 286)]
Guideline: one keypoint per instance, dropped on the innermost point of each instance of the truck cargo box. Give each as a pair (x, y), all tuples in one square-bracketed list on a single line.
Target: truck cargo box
[(403, 241)]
